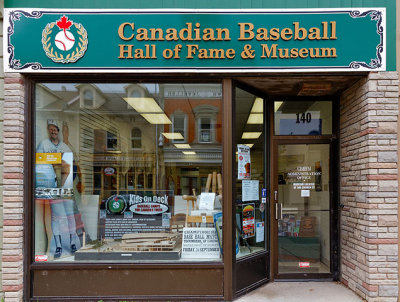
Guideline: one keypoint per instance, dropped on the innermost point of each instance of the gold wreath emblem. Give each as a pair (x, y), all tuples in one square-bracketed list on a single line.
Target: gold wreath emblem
[(76, 54)]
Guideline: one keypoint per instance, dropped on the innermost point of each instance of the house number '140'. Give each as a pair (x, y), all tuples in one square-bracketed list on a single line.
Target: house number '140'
[(303, 118)]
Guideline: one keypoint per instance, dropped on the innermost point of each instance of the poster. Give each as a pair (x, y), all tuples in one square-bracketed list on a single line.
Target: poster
[(54, 196), (248, 220), (244, 162), (250, 190), (135, 213), (200, 243)]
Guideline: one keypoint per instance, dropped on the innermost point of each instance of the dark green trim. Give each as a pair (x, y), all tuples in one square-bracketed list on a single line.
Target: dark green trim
[(390, 4), (228, 4)]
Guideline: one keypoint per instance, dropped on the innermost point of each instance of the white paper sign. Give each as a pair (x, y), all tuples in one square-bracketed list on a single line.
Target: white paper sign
[(259, 231), (200, 243), (207, 201), (250, 190), (244, 169), (305, 193)]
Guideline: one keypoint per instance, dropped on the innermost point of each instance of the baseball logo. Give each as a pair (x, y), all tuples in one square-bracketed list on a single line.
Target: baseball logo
[(64, 41)]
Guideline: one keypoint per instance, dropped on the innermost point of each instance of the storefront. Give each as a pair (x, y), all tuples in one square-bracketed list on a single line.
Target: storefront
[(198, 154)]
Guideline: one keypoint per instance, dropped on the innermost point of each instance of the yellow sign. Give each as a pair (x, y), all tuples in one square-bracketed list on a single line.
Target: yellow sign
[(48, 158)]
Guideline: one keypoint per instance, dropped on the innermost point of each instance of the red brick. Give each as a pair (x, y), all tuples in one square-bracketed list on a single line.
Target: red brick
[(380, 177), (8, 80), (12, 258), (381, 241), (371, 288), (368, 131), (351, 265), (12, 288), (13, 175), (12, 222)]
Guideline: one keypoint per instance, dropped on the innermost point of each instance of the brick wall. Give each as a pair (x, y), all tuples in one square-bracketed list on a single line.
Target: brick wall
[(369, 187), (1, 137), (13, 133)]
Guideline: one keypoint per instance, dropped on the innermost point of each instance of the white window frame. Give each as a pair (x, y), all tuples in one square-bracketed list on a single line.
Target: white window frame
[(206, 111)]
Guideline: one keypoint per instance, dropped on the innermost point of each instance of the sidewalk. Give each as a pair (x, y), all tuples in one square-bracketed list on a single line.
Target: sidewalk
[(301, 291)]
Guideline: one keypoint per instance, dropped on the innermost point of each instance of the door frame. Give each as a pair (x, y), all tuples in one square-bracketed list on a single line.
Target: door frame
[(264, 256), (334, 170)]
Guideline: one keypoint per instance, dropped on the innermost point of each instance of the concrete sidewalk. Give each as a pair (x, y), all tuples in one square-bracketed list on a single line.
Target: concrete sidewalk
[(301, 291)]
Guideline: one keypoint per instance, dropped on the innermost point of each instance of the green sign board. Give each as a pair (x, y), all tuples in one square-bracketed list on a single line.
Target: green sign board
[(195, 40)]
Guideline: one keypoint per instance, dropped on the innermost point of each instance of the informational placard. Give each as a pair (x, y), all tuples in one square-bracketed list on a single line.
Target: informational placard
[(259, 231), (304, 178), (200, 243), (244, 162), (305, 193), (248, 220), (48, 158), (207, 201), (250, 190), (117, 226), (54, 175), (135, 213)]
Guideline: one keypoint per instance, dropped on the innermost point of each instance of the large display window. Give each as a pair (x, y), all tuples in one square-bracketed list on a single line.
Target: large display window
[(128, 172)]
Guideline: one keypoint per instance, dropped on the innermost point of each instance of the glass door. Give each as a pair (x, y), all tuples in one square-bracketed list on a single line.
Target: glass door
[(302, 209), (251, 204)]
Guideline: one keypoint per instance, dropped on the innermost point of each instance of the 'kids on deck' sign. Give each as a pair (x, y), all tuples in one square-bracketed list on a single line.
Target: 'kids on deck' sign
[(195, 40)]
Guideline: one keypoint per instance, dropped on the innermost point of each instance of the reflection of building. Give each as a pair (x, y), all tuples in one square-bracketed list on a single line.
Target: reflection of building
[(109, 133), (196, 114)]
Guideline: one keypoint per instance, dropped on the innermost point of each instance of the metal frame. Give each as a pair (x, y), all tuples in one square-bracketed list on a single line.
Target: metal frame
[(333, 141)]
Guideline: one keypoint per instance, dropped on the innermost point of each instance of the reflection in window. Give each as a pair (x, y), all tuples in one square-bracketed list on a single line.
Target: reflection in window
[(88, 98), (179, 126), (136, 137), (205, 130), (109, 172), (112, 141)]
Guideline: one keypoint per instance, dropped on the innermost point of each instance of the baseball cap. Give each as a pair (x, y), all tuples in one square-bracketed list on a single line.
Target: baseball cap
[(54, 123)]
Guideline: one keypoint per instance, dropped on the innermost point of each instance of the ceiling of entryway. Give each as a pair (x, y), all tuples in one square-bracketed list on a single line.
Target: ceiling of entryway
[(305, 85)]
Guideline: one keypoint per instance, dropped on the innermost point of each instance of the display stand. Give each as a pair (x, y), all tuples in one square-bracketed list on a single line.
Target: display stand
[(214, 180)]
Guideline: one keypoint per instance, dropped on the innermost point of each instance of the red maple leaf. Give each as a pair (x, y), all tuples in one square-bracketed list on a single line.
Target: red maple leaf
[(63, 23)]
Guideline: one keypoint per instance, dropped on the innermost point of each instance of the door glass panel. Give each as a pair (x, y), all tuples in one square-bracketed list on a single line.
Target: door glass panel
[(303, 118), (303, 195), (250, 205)]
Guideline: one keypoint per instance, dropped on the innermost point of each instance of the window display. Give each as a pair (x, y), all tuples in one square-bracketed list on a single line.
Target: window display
[(124, 177)]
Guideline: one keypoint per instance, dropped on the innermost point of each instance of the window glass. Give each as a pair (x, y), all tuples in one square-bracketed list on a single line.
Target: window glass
[(250, 201), (303, 117), (112, 182)]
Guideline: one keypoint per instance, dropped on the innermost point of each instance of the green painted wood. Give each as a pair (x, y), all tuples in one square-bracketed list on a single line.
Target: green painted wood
[(227, 4)]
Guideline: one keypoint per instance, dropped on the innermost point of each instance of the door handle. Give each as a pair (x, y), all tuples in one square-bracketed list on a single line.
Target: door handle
[(278, 211), (276, 195)]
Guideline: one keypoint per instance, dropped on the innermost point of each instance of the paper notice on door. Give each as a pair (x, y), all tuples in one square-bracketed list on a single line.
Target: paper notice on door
[(250, 190), (259, 231), (244, 162), (305, 193)]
